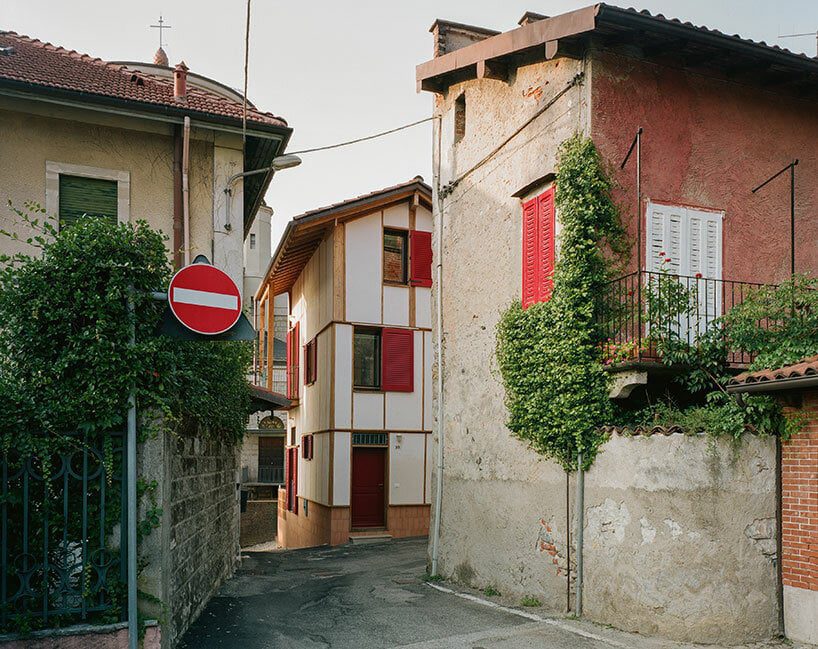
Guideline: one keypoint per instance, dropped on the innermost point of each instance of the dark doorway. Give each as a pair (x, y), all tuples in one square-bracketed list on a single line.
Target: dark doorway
[(368, 477)]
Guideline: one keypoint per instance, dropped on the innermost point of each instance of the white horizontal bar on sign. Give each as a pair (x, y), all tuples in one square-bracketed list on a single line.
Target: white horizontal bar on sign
[(204, 298)]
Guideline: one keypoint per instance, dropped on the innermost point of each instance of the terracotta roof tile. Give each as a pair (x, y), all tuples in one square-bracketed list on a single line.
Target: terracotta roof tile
[(30, 61), (806, 367)]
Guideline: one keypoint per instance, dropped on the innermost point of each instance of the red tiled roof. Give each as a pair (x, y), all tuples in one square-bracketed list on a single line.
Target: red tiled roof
[(806, 367), (30, 61)]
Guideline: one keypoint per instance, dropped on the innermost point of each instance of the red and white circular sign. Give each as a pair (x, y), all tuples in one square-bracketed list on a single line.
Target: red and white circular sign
[(204, 299)]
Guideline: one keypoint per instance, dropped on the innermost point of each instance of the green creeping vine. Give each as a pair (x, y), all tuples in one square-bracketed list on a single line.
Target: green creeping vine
[(66, 369), (549, 355)]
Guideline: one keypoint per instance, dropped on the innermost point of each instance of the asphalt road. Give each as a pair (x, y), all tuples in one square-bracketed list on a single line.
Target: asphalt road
[(374, 596)]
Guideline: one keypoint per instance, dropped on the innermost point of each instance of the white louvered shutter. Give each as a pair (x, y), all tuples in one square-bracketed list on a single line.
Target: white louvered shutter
[(692, 240)]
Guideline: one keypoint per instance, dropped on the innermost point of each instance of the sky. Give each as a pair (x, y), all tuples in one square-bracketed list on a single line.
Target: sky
[(339, 70)]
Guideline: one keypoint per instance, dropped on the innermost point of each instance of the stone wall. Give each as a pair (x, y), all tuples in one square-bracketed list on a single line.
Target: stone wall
[(196, 546), (259, 522), (679, 533), (108, 636)]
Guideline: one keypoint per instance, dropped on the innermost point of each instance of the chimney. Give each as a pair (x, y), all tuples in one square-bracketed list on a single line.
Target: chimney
[(180, 82)]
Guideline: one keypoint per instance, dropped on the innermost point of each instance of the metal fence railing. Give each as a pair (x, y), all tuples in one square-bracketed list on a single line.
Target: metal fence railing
[(263, 474), (641, 307), (63, 533)]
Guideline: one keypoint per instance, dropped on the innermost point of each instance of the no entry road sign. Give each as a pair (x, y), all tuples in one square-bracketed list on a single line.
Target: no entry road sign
[(204, 299)]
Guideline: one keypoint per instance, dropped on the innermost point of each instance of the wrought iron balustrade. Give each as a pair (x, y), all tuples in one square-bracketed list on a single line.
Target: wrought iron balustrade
[(63, 529), (639, 308), (264, 474)]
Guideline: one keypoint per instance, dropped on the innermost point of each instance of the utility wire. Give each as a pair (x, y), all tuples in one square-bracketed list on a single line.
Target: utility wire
[(449, 187), (362, 139)]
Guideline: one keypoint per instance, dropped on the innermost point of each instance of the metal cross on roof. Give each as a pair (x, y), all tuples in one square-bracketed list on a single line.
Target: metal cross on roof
[(160, 27)]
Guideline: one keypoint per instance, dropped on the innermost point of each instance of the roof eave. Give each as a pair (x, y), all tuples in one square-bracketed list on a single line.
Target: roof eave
[(348, 209), (172, 113), (775, 385)]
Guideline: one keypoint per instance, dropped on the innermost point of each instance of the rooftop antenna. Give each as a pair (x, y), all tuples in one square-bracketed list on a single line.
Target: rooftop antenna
[(160, 27), (815, 33)]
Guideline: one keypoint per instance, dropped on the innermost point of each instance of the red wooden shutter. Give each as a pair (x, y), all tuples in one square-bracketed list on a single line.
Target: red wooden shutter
[(293, 353), (295, 479), (398, 360), (531, 266), (287, 476), (420, 248), (545, 283)]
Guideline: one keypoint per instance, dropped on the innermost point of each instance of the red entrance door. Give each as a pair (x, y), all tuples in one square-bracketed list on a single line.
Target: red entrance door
[(368, 471)]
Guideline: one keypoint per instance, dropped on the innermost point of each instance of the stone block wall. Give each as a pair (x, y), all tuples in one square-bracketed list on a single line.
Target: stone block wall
[(196, 546), (259, 522), (109, 636)]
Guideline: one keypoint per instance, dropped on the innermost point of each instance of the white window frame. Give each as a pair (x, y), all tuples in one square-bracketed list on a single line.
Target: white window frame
[(53, 171)]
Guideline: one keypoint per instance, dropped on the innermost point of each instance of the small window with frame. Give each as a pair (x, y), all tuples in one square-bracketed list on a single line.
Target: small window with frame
[(367, 359), (395, 256)]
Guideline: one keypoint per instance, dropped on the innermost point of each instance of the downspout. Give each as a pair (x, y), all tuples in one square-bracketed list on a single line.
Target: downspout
[(186, 191), (439, 334), (580, 507), (178, 200)]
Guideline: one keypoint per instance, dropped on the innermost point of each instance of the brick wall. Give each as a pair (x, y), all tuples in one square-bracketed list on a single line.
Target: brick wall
[(799, 476), (799, 534)]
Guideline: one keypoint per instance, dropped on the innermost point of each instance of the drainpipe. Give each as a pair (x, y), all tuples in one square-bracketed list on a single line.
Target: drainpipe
[(178, 200), (580, 507), (439, 334), (186, 190)]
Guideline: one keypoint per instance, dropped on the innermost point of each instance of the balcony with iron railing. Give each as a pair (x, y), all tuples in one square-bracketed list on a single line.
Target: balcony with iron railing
[(642, 308), (262, 475)]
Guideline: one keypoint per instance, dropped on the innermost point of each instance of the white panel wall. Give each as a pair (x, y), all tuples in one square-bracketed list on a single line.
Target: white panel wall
[(343, 376), (404, 410), (342, 459), (406, 468), (364, 269), (427, 388), (396, 305), (367, 410), (423, 220), (313, 475), (429, 461), (397, 216), (423, 307)]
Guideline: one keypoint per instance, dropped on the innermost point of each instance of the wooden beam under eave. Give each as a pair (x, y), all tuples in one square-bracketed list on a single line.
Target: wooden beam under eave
[(492, 70)]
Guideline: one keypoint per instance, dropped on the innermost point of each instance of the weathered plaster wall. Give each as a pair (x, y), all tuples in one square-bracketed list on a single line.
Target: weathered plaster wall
[(679, 535), (33, 135), (680, 538), (708, 143), (495, 492)]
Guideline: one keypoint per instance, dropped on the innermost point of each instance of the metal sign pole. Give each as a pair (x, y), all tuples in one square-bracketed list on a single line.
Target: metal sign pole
[(133, 629)]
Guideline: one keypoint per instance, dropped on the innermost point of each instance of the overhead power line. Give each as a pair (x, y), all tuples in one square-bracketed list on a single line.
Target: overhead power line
[(362, 139)]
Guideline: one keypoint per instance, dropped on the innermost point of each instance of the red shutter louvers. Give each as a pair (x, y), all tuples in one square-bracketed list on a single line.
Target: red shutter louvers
[(538, 248), (420, 248), (398, 360)]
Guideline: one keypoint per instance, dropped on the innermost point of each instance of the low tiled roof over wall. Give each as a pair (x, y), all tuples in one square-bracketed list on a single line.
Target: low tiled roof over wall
[(30, 64), (805, 368)]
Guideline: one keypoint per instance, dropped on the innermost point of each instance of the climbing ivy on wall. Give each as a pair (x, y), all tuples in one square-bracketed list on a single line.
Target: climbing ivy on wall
[(549, 355)]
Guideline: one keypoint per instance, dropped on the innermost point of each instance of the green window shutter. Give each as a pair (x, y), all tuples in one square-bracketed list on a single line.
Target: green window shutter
[(81, 196)]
